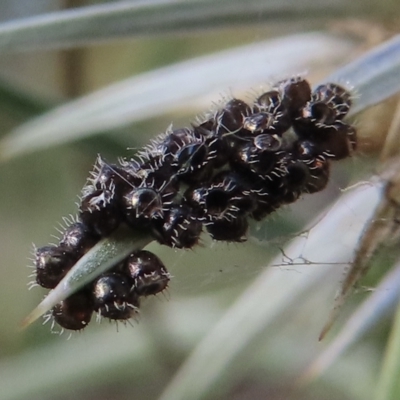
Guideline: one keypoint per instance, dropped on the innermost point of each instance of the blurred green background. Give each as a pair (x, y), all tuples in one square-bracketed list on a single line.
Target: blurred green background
[(39, 188)]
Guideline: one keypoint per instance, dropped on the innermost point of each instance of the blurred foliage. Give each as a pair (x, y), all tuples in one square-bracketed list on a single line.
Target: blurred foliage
[(38, 189)]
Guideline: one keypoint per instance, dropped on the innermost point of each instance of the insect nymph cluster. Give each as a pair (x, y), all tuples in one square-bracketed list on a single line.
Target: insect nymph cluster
[(242, 162)]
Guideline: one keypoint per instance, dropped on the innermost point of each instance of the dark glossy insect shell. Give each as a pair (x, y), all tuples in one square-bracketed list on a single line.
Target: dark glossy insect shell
[(148, 273), (335, 97), (142, 205), (230, 119), (258, 122), (138, 170), (217, 147), (307, 126), (284, 186), (107, 176), (170, 143), (185, 151), (218, 204), (270, 114), (228, 197), (294, 182), (75, 312), (306, 150), (329, 104), (228, 230), (99, 212), (319, 175), (52, 263), (243, 161), (195, 198), (194, 163), (339, 141), (164, 181), (78, 238), (180, 228), (259, 155), (113, 297), (317, 163), (296, 93)]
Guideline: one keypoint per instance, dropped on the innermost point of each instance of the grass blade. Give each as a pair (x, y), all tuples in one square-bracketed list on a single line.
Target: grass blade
[(161, 91), (114, 20), (375, 76), (85, 269), (103, 256), (271, 293), (388, 387), (384, 297)]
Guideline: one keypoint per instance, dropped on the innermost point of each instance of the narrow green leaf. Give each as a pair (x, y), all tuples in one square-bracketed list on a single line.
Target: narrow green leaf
[(272, 292), (371, 311), (375, 76), (174, 87), (114, 20), (388, 387), (103, 256), (352, 211)]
